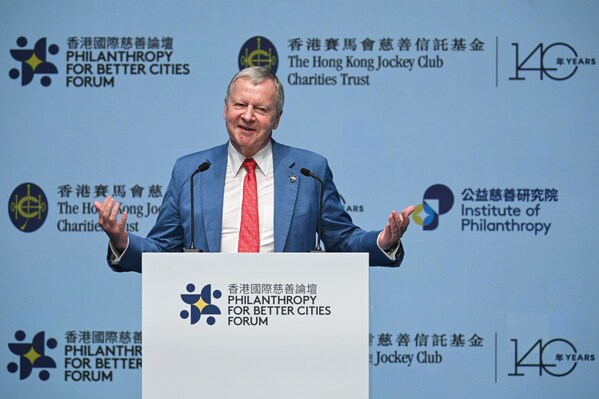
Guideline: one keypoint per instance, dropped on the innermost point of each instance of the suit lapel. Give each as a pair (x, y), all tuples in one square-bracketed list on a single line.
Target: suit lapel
[(286, 181), (212, 192)]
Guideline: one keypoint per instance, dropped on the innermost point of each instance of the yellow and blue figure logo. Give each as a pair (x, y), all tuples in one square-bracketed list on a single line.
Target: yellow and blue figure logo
[(32, 355), (200, 304), (438, 200), (28, 207), (258, 51), (33, 61)]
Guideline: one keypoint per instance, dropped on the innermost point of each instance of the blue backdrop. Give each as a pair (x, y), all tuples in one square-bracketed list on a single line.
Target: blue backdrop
[(482, 113)]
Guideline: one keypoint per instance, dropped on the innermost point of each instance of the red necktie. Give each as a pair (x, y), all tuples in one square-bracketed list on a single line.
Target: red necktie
[(249, 231)]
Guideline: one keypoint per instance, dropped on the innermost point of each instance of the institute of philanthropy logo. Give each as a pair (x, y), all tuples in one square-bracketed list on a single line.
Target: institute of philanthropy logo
[(28, 207), (200, 304), (258, 51), (32, 355), (438, 200), (33, 61)]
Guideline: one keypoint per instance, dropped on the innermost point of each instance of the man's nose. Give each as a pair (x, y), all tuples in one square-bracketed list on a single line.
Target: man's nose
[(248, 114)]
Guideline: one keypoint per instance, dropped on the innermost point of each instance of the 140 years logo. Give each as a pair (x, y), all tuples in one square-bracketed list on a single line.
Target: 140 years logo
[(557, 61), (557, 357)]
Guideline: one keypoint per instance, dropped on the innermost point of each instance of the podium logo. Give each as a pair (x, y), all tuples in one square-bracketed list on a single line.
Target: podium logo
[(28, 207), (258, 51), (32, 355), (33, 61), (200, 304), (438, 200)]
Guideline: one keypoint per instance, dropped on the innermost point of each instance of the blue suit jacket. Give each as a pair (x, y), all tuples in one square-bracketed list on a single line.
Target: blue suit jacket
[(295, 210)]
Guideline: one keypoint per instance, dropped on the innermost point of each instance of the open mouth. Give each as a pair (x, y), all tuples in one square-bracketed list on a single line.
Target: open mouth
[(247, 129)]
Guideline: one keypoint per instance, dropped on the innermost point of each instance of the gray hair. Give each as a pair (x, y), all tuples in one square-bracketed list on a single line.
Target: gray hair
[(257, 75)]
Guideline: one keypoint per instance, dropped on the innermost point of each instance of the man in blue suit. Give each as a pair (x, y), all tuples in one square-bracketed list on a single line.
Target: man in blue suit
[(287, 200)]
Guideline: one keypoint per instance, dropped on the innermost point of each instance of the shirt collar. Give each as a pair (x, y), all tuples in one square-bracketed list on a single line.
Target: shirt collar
[(263, 159)]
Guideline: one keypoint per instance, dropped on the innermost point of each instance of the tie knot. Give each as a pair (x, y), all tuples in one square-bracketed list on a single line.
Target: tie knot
[(249, 164)]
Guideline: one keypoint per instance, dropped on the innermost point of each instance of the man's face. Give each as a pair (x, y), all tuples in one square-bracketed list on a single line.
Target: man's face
[(251, 115)]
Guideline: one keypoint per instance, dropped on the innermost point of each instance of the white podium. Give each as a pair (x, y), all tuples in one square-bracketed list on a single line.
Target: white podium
[(255, 325)]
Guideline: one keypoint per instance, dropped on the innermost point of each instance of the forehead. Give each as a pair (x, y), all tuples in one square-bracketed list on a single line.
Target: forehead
[(264, 91)]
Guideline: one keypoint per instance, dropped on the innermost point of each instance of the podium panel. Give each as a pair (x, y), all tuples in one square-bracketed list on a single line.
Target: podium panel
[(255, 325)]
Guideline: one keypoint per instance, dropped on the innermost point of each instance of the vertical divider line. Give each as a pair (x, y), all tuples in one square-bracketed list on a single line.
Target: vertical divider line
[(495, 357), (496, 61)]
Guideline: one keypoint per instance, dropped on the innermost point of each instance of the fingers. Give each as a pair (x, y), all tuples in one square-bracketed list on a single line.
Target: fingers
[(386, 239), (124, 218), (108, 212), (113, 213), (388, 231), (394, 225), (104, 212), (98, 206), (408, 211), (398, 222)]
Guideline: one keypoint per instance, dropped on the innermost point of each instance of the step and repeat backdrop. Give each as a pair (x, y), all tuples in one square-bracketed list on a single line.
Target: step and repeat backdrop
[(483, 114)]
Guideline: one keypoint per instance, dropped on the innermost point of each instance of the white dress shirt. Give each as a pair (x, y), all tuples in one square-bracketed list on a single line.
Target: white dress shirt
[(233, 199)]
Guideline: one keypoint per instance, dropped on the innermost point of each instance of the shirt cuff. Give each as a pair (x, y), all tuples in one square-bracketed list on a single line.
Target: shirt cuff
[(115, 255), (391, 253)]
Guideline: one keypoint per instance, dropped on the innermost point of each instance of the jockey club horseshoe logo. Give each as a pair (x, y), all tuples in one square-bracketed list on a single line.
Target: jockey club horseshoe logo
[(28, 207), (258, 51)]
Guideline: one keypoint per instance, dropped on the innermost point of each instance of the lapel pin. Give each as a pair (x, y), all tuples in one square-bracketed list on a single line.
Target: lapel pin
[(292, 178)]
